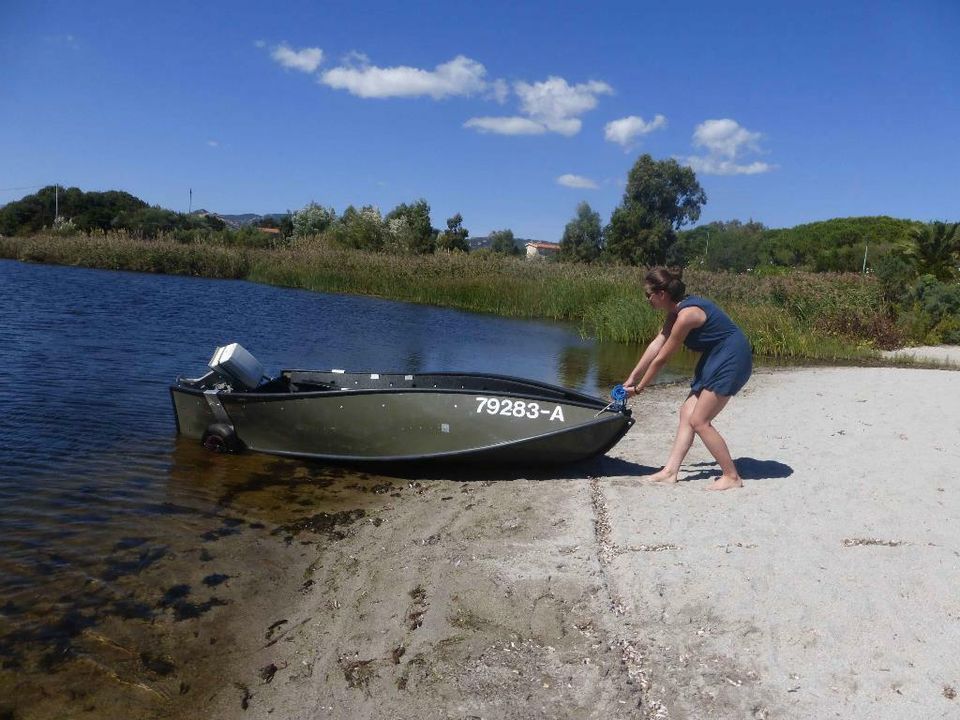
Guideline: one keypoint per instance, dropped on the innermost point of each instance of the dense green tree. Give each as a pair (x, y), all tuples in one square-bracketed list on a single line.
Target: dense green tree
[(502, 241), (86, 210), (312, 219), (582, 237), (148, 222), (362, 229), (410, 230), (635, 237), (834, 245), (731, 245), (455, 236), (935, 250), (661, 197)]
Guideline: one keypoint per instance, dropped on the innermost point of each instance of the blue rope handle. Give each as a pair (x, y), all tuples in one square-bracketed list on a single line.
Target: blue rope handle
[(619, 394)]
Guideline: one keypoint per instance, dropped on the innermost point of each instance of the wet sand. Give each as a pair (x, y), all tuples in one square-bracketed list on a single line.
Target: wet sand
[(827, 586)]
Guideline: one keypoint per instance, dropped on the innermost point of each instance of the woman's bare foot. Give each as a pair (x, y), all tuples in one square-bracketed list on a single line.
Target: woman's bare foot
[(664, 476), (725, 482)]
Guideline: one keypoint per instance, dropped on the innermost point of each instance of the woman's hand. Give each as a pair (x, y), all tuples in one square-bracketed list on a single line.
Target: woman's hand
[(630, 385)]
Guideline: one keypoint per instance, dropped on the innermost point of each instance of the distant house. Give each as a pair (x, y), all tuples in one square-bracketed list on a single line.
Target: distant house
[(537, 249), (269, 231)]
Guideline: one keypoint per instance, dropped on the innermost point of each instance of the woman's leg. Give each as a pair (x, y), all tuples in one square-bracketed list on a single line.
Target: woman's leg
[(681, 444), (707, 408)]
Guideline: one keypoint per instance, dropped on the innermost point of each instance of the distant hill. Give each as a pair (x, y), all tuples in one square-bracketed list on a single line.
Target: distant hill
[(243, 219)]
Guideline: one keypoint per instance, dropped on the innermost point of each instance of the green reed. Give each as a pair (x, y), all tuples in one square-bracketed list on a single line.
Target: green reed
[(800, 315)]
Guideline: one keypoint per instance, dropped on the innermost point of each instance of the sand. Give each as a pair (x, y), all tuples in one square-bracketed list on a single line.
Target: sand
[(946, 355), (829, 586)]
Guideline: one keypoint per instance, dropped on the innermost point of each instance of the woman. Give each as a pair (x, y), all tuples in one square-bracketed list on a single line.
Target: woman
[(722, 370)]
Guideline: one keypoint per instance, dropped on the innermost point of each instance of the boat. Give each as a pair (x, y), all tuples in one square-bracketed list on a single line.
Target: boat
[(374, 417)]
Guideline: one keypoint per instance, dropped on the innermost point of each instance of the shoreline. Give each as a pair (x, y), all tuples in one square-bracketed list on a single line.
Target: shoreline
[(808, 315), (827, 582)]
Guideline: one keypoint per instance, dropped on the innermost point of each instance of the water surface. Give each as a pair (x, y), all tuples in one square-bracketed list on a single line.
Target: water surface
[(104, 510)]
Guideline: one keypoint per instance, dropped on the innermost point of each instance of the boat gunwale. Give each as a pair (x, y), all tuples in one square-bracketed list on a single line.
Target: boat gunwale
[(567, 396)]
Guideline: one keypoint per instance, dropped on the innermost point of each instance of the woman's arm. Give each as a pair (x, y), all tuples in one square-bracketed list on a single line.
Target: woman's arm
[(651, 352), (686, 320), (648, 355)]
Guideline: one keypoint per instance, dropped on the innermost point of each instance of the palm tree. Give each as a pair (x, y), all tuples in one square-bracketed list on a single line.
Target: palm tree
[(935, 249)]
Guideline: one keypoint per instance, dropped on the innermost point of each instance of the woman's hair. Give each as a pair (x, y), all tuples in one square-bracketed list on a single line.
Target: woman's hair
[(669, 280)]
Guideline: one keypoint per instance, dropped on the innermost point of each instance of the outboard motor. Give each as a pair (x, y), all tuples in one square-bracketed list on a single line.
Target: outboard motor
[(241, 370), (233, 365)]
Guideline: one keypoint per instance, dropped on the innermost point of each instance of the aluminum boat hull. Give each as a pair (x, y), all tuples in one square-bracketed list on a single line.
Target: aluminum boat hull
[(373, 417)]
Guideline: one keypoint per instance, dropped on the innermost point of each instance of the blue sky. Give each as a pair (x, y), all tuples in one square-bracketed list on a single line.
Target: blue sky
[(509, 113)]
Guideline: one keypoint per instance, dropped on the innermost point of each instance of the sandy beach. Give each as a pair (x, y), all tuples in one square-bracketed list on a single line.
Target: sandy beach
[(826, 587)]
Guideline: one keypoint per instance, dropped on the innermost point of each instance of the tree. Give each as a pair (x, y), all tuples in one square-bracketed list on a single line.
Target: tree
[(87, 210), (582, 236), (312, 219), (730, 245), (149, 222), (455, 236), (660, 198), (410, 229), (935, 250), (501, 241), (362, 229)]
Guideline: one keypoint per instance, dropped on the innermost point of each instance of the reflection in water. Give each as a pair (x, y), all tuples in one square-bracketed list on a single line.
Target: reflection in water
[(600, 366), (573, 366)]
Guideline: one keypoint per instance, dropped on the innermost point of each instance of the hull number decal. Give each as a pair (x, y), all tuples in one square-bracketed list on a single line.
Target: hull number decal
[(517, 408)]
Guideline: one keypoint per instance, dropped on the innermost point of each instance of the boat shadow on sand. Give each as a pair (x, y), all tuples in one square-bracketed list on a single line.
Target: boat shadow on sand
[(598, 467)]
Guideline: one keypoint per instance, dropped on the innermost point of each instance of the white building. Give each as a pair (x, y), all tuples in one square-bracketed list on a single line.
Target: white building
[(537, 250)]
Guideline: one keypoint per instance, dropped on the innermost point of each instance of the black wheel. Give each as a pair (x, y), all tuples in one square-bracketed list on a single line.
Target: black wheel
[(221, 438)]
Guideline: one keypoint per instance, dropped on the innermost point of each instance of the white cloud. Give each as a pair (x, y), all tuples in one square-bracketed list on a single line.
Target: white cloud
[(505, 125), (306, 60), (460, 76), (576, 181), (716, 166), (213, 143), (552, 105), (624, 130), (726, 141), (499, 90), (260, 43), (725, 138), (557, 104)]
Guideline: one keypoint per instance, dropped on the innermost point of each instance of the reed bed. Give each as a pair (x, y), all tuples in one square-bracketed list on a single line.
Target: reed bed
[(798, 316)]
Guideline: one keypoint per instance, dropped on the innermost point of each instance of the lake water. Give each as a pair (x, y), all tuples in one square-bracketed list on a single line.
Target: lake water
[(99, 498)]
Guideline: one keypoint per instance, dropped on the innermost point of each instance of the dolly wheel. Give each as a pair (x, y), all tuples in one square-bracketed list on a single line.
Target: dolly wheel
[(222, 439), (214, 443)]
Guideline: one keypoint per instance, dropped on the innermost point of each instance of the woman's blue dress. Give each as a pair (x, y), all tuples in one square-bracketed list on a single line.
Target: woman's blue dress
[(726, 363)]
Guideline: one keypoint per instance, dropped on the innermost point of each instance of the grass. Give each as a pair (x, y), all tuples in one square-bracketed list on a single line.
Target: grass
[(815, 316)]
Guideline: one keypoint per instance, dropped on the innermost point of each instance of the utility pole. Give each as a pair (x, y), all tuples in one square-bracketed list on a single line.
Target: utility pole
[(864, 270), (190, 210)]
